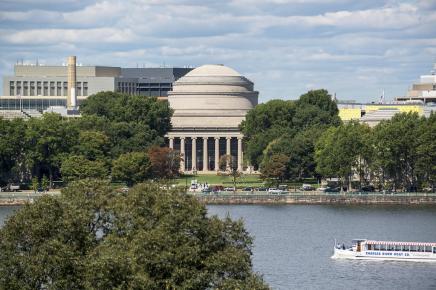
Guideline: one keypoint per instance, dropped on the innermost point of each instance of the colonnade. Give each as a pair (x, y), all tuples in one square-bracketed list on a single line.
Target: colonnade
[(203, 163)]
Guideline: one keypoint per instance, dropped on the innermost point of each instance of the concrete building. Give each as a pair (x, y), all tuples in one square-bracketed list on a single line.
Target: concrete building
[(424, 90), (372, 114), (209, 104), (37, 87)]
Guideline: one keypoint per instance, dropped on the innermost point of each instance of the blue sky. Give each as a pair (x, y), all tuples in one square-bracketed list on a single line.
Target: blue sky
[(286, 47)]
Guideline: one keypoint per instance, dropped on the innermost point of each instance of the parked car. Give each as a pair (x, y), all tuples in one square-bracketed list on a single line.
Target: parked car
[(307, 187), (261, 189), (332, 189), (217, 188), (229, 189), (247, 189), (274, 190), (206, 190), (367, 188)]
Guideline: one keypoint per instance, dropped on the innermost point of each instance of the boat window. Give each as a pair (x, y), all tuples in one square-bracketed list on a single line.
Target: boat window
[(406, 248), (377, 247), (434, 250), (428, 249), (391, 248), (413, 248), (382, 247), (421, 248), (397, 248), (369, 247)]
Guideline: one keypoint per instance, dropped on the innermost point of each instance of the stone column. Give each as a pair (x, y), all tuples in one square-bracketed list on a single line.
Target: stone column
[(217, 153), (240, 166), (205, 160), (171, 142), (228, 151), (194, 153), (182, 154)]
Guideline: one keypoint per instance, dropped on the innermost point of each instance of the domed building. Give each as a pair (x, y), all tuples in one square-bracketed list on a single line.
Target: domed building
[(209, 104)]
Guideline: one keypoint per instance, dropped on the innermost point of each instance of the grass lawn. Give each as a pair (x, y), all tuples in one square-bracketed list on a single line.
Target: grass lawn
[(242, 181)]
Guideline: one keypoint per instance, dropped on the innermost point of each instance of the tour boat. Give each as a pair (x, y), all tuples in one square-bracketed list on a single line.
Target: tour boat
[(386, 250)]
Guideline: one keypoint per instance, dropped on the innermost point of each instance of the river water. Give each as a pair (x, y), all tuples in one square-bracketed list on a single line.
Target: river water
[(293, 244)]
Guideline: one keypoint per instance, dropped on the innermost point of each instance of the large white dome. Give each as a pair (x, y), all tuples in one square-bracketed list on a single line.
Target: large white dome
[(213, 70), (211, 96)]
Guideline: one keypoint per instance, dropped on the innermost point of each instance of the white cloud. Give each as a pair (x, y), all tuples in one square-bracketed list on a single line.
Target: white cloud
[(331, 43)]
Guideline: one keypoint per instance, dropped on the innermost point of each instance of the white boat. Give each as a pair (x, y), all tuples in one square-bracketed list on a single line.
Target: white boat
[(386, 250)]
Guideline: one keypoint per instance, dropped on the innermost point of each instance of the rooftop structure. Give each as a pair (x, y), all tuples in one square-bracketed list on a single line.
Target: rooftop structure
[(424, 90), (37, 87)]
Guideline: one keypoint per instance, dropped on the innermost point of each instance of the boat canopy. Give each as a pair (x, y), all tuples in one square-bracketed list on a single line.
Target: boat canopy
[(400, 243)]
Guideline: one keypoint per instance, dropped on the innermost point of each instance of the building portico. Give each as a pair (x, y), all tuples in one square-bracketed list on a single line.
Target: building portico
[(201, 151)]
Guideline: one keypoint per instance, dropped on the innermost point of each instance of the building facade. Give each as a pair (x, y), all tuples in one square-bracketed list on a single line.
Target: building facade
[(424, 90), (37, 87), (209, 104)]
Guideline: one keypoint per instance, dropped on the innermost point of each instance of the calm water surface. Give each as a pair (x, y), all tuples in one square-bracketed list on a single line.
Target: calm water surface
[(293, 244)]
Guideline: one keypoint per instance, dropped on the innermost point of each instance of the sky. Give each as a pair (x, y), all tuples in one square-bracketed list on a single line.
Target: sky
[(354, 49)]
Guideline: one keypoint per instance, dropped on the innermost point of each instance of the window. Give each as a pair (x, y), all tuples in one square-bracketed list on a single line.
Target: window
[(32, 88), (45, 88), (434, 250), (38, 88), (12, 91), (65, 89), (428, 249), (79, 89), (52, 88), (59, 89), (25, 88), (85, 89)]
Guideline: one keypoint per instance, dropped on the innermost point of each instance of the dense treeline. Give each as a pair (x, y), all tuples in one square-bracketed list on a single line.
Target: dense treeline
[(93, 237), (116, 133), (281, 135), (397, 154), (293, 140)]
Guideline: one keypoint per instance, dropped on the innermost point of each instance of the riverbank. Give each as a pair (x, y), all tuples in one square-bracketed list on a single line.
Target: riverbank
[(348, 199), (21, 198)]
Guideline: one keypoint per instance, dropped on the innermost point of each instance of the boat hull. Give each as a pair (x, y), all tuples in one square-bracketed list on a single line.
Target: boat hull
[(383, 255)]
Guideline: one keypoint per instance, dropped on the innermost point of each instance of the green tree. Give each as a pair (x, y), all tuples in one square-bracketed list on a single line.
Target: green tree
[(267, 123), (119, 107), (131, 168), (49, 139), (316, 108), (341, 150), (93, 145), (92, 237), (300, 149), (35, 184), (426, 163), (45, 183), (78, 167), (395, 144), (12, 150)]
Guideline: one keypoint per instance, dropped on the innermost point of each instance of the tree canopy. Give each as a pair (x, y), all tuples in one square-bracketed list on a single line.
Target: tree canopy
[(270, 128), (92, 237), (112, 124)]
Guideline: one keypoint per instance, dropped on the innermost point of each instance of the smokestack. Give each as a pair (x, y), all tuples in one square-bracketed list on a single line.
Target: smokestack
[(72, 98)]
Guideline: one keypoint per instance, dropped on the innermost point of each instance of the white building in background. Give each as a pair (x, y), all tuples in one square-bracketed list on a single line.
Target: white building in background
[(209, 104), (424, 90)]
